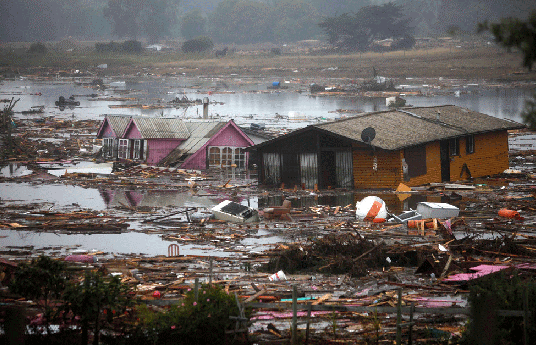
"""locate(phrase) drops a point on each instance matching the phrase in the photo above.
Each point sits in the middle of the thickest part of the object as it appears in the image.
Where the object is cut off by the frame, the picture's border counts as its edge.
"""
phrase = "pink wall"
(132, 131)
(229, 135)
(158, 149)
(106, 131)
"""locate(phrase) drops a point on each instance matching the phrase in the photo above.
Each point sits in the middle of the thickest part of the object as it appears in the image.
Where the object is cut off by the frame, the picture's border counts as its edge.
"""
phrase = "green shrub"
(132, 47)
(504, 291)
(190, 322)
(42, 280)
(37, 48)
(197, 45)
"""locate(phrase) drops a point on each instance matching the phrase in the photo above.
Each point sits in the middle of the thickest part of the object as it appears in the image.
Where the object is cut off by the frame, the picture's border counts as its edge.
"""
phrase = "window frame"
(226, 156)
(454, 147)
(136, 149)
(122, 149)
(470, 144)
(108, 147)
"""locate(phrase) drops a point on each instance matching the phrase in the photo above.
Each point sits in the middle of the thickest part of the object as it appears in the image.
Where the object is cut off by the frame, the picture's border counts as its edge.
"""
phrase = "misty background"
(228, 21)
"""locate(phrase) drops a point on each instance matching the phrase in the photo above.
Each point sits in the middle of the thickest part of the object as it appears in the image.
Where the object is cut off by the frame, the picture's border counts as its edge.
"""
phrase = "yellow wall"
(490, 158)
(433, 166)
(388, 173)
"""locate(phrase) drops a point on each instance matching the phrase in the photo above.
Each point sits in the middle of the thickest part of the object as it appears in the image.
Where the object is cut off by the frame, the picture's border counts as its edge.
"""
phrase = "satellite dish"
(368, 135)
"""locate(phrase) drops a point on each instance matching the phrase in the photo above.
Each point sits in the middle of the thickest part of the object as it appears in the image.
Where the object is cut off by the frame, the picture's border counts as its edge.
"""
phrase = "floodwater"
(248, 102)
(251, 103)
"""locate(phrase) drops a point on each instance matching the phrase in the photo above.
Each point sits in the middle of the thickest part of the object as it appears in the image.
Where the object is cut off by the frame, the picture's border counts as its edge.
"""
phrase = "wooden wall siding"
(158, 149)
(433, 167)
(490, 157)
(388, 173)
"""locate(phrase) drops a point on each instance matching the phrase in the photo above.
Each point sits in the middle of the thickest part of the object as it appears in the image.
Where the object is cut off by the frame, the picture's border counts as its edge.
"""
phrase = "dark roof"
(405, 127)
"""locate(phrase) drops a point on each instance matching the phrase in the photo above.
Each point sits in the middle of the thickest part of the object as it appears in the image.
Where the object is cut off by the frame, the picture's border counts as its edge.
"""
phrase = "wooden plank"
(322, 299)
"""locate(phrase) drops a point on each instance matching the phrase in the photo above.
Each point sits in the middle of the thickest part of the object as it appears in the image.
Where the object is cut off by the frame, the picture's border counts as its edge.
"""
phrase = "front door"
(445, 160)
(291, 170)
(328, 170)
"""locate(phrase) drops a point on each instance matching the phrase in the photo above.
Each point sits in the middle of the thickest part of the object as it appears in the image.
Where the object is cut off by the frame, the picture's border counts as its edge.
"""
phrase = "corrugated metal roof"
(118, 123)
(161, 128)
(400, 128)
(200, 133)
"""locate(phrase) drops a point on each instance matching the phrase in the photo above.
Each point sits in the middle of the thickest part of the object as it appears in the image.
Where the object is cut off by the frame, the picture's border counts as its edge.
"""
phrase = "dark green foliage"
(42, 280)
(504, 291)
(193, 25)
(357, 31)
(197, 45)
(132, 47)
(192, 322)
(529, 113)
(97, 301)
(37, 48)
(406, 42)
(515, 33)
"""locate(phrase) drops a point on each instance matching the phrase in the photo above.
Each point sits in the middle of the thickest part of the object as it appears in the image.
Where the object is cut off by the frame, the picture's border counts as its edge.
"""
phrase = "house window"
(225, 157)
(416, 160)
(123, 149)
(214, 157)
(108, 149)
(454, 147)
(138, 147)
(240, 157)
(470, 144)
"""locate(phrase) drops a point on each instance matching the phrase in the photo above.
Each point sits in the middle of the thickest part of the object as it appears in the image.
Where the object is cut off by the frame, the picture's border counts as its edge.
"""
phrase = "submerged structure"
(382, 149)
(174, 142)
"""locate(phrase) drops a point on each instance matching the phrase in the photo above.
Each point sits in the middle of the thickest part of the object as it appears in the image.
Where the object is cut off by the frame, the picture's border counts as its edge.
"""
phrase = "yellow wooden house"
(414, 145)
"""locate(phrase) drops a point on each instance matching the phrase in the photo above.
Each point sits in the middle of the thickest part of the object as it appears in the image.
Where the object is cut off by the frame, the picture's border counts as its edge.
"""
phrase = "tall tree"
(521, 35)
(125, 17)
(241, 21)
(294, 20)
(357, 31)
(193, 25)
(131, 18)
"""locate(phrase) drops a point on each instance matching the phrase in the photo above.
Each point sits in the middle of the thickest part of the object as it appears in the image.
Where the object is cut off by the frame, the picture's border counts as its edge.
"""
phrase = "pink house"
(211, 145)
(173, 142)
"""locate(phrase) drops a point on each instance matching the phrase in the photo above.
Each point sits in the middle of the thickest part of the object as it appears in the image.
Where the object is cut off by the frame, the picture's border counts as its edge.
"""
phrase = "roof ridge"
(436, 121)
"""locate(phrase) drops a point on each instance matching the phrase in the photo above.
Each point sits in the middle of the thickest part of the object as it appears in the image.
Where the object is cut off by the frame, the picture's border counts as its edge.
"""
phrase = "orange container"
(504, 212)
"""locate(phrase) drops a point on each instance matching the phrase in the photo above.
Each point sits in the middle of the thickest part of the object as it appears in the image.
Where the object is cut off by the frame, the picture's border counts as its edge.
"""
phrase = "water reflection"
(247, 107)
(154, 198)
(14, 170)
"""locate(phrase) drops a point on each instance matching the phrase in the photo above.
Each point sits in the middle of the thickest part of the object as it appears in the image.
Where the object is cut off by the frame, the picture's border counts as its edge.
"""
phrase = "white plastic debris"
(369, 208)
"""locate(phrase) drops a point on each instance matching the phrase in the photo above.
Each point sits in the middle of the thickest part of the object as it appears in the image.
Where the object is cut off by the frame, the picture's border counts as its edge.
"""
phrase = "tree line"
(242, 21)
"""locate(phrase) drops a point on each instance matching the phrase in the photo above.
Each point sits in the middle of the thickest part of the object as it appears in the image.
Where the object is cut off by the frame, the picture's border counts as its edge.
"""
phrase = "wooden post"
(525, 315)
(294, 336)
(196, 289)
(309, 308)
(399, 318)
(211, 263)
(410, 335)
